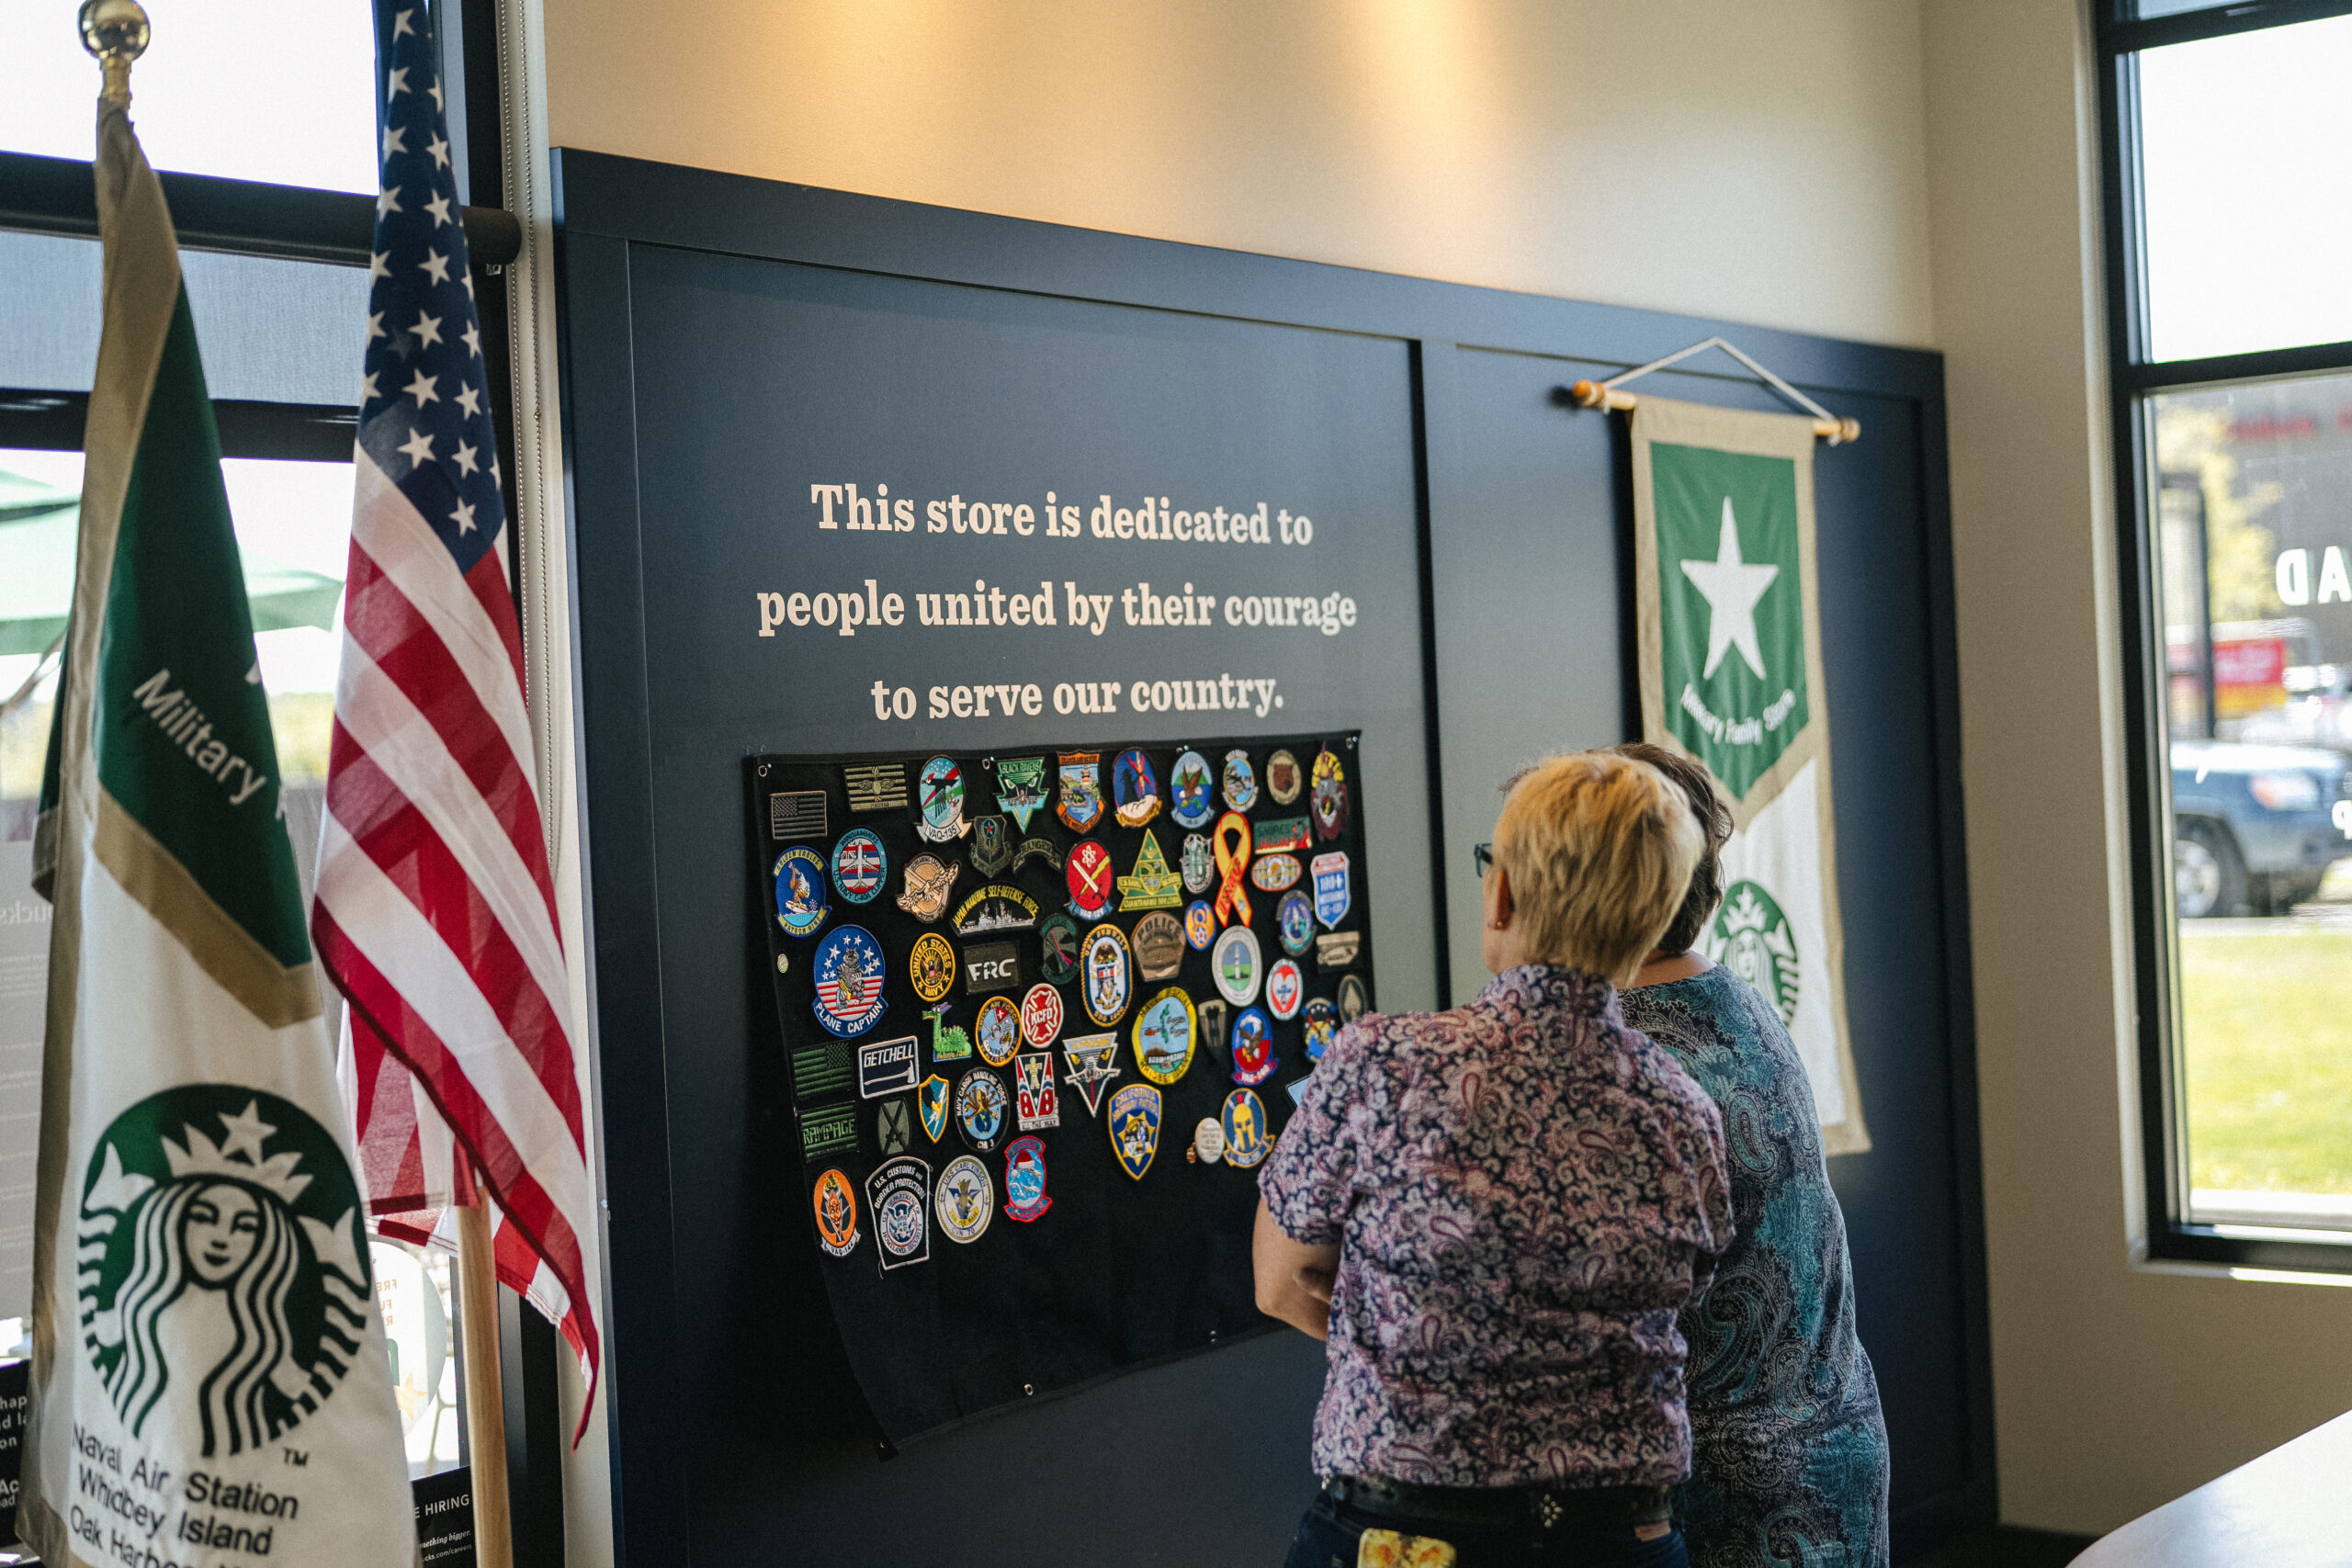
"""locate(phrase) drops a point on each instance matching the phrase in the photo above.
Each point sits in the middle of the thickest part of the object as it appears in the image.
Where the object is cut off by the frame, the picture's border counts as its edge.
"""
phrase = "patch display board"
(1044, 1011)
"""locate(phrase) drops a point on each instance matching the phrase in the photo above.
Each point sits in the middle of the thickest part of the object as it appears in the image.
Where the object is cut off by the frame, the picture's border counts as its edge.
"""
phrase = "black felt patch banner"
(958, 1283)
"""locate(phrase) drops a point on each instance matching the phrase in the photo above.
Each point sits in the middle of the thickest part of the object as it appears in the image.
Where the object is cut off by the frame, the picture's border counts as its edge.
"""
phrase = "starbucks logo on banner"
(1751, 938)
(224, 1274)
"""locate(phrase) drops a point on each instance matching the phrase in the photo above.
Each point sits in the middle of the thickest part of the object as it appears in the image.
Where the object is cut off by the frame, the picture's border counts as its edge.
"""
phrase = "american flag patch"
(796, 814)
(819, 1070)
(882, 788)
(829, 1132)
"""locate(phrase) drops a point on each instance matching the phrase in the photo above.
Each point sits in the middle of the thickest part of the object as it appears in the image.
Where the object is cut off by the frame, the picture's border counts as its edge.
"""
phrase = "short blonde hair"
(1599, 849)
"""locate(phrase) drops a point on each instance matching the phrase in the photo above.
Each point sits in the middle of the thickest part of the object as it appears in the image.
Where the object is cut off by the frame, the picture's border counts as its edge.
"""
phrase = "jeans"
(1329, 1535)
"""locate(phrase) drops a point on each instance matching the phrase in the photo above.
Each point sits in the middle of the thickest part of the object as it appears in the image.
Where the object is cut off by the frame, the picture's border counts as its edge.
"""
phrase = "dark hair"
(1714, 815)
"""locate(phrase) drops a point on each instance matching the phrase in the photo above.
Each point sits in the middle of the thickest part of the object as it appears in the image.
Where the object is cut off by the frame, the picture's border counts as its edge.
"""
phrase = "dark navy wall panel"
(722, 337)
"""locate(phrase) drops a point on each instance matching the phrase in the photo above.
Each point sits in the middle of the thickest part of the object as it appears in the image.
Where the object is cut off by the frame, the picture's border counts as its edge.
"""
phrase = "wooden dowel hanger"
(1605, 394)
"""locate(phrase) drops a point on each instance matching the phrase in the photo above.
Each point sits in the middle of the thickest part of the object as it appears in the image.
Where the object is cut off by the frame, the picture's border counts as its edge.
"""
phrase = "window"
(2230, 212)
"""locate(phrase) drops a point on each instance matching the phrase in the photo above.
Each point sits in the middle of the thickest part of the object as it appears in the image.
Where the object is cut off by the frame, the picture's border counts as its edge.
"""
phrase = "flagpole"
(485, 1389)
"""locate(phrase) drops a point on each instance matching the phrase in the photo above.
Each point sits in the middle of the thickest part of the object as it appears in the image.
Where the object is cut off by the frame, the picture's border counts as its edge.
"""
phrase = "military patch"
(1057, 949)
(835, 1202)
(930, 965)
(1284, 833)
(886, 1067)
(1354, 1000)
(1322, 1027)
(1200, 925)
(1253, 1046)
(1188, 791)
(1240, 782)
(1151, 885)
(1040, 1017)
(800, 891)
(1237, 964)
(1164, 1036)
(1037, 849)
(1213, 1012)
(1208, 1141)
(849, 998)
(927, 883)
(1088, 873)
(899, 1197)
(1134, 1124)
(966, 1199)
(931, 1103)
(1231, 840)
(820, 1071)
(1294, 921)
(1034, 1103)
(1135, 789)
(1020, 788)
(1200, 863)
(832, 1131)
(992, 844)
(1158, 942)
(1286, 989)
(880, 787)
(1330, 802)
(796, 814)
(1272, 874)
(1024, 1180)
(1244, 1125)
(942, 789)
(1282, 778)
(1338, 950)
(1081, 806)
(991, 966)
(1103, 964)
(982, 1108)
(892, 1129)
(1092, 1060)
(997, 1033)
(1331, 888)
(860, 867)
(995, 907)
(948, 1041)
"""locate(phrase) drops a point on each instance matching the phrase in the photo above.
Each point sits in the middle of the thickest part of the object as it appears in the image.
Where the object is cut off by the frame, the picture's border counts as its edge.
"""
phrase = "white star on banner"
(463, 517)
(375, 325)
(469, 401)
(400, 28)
(421, 389)
(367, 388)
(419, 447)
(394, 140)
(440, 151)
(439, 208)
(388, 200)
(397, 84)
(1731, 587)
(428, 329)
(376, 264)
(472, 336)
(436, 266)
(464, 456)
(247, 1132)
(436, 91)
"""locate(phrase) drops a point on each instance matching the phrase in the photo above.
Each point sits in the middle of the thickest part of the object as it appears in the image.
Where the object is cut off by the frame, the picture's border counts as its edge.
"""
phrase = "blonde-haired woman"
(1494, 1214)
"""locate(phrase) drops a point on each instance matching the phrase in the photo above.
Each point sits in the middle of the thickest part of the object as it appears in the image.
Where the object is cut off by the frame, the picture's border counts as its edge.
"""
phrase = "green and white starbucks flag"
(1731, 674)
(208, 1375)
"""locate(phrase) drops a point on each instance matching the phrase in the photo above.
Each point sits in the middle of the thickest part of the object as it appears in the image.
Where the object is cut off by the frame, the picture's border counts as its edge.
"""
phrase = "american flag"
(434, 912)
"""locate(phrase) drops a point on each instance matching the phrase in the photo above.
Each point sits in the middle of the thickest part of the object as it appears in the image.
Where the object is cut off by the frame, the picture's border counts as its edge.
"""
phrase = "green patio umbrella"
(38, 524)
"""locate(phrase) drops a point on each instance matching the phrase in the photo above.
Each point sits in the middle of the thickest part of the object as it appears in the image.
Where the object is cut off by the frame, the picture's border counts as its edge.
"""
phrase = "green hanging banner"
(1731, 674)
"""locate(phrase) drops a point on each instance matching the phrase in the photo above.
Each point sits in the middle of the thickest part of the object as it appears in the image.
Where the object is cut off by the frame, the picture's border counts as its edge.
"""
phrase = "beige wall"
(1761, 162)
(1904, 171)
(2115, 1387)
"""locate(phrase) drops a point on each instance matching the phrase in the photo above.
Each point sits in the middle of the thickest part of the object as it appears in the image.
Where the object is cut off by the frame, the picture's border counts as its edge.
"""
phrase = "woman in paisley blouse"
(1495, 1215)
(1790, 1464)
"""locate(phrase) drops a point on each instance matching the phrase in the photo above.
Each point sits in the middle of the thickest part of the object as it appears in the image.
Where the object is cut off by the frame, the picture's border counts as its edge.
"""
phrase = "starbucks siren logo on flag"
(1731, 674)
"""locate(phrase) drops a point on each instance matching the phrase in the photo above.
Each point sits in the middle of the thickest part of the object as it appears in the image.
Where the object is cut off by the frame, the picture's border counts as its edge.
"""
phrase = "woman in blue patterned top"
(1788, 1461)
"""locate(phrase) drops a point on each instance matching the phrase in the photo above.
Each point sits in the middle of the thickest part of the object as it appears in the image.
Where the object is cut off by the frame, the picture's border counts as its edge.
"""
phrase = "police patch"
(1104, 967)
(1024, 1180)
(799, 891)
(1134, 1124)
(966, 1200)
(859, 866)
(1158, 942)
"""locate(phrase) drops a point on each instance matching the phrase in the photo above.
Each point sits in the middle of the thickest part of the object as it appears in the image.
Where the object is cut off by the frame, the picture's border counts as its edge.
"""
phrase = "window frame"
(2134, 379)
(56, 195)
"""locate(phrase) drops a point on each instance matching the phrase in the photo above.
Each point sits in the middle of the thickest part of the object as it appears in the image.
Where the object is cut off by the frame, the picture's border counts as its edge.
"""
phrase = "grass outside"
(2268, 1050)
(304, 722)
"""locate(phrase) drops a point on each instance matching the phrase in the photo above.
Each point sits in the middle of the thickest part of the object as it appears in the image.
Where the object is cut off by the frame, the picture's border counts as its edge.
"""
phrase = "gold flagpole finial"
(117, 32)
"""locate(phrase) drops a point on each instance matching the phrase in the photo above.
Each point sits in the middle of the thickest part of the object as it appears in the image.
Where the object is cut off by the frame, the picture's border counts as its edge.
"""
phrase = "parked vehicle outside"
(2256, 827)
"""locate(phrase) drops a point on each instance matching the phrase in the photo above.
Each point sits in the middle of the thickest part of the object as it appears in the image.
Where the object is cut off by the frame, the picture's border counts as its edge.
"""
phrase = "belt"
(1548, 1507)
